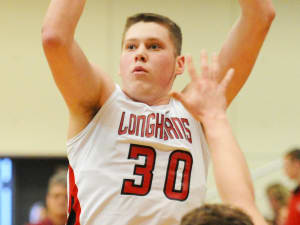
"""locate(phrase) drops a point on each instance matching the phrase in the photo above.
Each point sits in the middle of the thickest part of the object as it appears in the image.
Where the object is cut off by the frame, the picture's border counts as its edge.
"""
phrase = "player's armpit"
(83, 86)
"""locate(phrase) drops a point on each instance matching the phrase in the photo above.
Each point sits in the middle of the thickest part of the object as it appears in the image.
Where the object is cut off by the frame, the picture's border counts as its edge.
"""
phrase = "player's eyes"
(154, 46)
(130, 47)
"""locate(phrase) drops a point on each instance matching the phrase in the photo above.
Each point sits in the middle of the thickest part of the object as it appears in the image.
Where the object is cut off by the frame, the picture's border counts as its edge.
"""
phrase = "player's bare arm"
(205, 98)
(83, 86)
(244, 42)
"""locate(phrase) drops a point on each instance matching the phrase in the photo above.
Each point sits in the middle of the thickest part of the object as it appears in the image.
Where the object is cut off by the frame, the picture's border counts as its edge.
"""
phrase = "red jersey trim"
(74, 209)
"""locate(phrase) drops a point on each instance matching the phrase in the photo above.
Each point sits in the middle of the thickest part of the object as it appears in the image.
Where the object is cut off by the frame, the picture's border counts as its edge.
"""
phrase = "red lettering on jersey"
(122, 130)
(155, 125)
(189, 136)
(146, 171)
(150, 127)
(169, 189)
(169, 128)
(174, 120)
(159, 126)
(139, 118)
(132, 124)
(183, 129)
(165, 135)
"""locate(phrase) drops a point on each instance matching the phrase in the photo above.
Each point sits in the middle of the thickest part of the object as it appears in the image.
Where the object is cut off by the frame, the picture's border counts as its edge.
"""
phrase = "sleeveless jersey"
(135, 164)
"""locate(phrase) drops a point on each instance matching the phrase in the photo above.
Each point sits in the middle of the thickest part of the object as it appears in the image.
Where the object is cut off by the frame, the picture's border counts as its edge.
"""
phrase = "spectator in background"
(282, 216)
(292, 170)
(56, 201)
(216, 214)
(278, 196)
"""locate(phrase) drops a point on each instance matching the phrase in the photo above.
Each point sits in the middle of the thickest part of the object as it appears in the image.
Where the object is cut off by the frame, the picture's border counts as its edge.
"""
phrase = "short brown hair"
(279, 192)
(216, 214)
(294, 154)
(173, 28)
(57, 178)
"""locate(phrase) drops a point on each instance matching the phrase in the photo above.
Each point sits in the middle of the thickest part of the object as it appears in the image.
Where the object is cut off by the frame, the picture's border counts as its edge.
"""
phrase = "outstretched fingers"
(191, 68)
(228, 77)
(204, 64)
(214, 69)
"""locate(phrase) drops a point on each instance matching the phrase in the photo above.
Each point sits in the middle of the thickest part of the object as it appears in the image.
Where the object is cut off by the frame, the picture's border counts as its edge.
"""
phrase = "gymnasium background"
(33, 118)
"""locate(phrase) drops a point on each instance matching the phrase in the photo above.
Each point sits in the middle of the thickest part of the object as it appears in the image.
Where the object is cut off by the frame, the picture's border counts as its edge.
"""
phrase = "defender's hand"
(204, 97)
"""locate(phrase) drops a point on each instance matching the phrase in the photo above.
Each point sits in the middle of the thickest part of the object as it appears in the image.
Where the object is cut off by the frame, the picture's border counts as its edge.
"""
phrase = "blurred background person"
(216, 214)
(278, 196)
(282, 216)
(56, 201)
(292, 170)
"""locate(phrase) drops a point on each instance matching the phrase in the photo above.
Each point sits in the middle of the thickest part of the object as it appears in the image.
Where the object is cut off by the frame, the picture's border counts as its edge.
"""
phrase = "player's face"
(57, 200)
(148, 63)
(292, 168)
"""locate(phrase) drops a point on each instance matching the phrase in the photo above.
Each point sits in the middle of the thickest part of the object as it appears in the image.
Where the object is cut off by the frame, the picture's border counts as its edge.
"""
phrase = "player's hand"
(204, 97)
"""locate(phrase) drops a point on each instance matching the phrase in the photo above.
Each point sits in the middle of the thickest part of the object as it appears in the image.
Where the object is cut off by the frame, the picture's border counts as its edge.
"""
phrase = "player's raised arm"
(83, 86)
(244, 41)
(205, 98)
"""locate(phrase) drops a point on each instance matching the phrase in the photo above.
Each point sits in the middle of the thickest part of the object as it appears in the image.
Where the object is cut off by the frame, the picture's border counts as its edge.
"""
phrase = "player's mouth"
(139, 70)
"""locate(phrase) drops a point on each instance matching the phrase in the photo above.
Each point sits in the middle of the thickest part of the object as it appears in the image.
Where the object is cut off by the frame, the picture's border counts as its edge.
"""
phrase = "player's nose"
(141, 55)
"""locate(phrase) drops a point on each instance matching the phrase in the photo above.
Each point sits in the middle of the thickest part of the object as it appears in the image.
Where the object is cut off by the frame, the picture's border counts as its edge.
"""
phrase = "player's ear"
(180, 60)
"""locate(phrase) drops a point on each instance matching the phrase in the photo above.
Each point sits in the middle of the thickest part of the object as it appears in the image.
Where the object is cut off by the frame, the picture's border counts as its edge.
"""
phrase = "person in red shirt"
(56, 201)
(292, 170)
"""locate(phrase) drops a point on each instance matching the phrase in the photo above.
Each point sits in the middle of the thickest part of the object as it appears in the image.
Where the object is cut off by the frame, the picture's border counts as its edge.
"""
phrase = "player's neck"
(162, 101)
(151, 101)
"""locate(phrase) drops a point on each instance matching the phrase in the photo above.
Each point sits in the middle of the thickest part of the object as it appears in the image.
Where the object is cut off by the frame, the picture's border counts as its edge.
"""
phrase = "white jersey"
(136, 164)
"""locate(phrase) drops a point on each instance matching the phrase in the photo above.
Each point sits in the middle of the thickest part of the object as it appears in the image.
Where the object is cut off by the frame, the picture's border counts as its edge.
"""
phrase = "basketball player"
(137, 156)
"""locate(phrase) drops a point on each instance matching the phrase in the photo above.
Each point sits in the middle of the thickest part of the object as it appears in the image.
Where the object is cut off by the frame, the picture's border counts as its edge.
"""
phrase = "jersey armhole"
(104, 107)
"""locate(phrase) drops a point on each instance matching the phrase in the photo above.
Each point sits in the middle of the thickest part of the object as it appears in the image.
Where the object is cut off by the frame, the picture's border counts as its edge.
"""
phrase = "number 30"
(146, 172)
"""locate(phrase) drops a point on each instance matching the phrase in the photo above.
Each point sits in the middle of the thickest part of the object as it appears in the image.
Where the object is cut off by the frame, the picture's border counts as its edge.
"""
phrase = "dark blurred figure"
(278, 196)
(292, 170)
(56, 201)
(216, 214)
